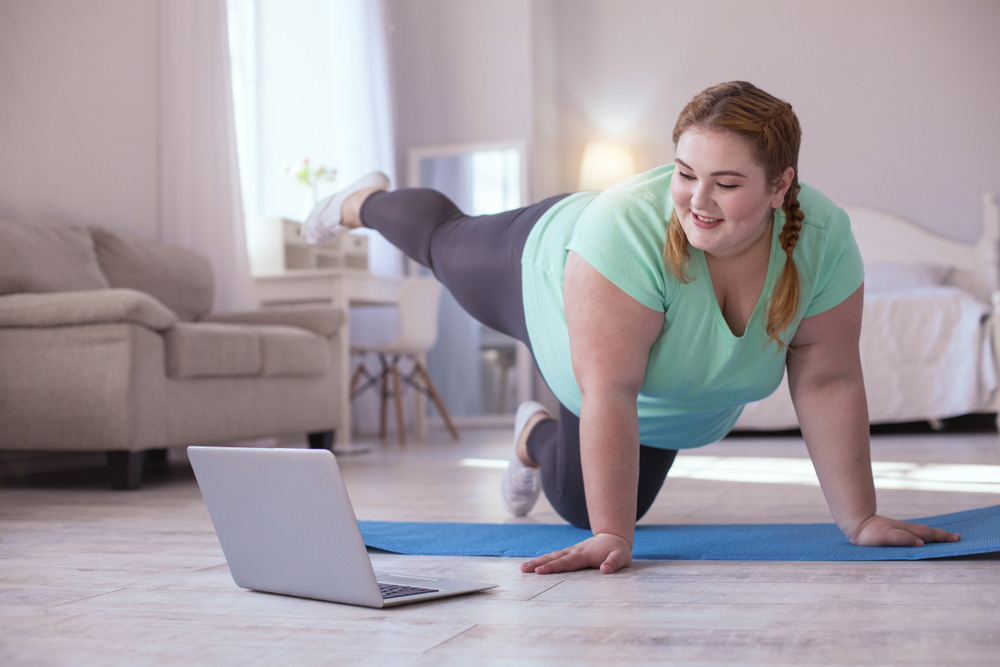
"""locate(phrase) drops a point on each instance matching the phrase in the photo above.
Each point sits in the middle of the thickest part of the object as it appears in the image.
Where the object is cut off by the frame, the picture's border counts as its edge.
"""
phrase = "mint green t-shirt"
(699, 374)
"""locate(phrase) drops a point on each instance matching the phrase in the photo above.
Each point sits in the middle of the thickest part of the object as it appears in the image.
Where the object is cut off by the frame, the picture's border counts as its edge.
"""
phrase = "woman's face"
(722, 197)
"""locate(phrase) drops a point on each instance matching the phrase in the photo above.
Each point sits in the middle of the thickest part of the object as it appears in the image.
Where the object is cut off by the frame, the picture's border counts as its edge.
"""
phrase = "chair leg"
(397, 390)
(438, 403)
(384, 400)
(126, 469)
(503, 390)
(321, 440)
(357, 378)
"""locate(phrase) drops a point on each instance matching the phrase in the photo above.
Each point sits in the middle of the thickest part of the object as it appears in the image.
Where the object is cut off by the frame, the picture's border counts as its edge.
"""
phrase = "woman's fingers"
(928, 534)
(575, 560)
(606, 551)
(897, 537)
(615, 561)
(542, 560)
(880, 531)
(557, 561)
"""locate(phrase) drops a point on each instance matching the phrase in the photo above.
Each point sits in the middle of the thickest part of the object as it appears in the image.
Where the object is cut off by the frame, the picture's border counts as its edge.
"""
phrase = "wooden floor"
(90, 576)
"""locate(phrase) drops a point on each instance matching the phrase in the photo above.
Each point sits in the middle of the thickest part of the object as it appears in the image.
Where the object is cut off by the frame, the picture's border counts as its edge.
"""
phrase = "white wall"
(898, 99)
(78, 113)
(462, 72)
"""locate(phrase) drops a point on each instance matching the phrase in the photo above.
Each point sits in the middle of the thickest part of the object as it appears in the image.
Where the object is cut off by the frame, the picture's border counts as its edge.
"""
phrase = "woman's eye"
(728, 186)
(686, 177)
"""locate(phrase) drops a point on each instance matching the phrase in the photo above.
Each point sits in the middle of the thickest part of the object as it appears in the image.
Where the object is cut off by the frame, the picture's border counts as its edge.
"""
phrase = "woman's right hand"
(605, 550)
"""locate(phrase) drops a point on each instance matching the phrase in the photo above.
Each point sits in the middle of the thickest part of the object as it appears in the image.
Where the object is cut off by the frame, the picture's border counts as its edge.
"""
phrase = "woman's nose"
(700, 198)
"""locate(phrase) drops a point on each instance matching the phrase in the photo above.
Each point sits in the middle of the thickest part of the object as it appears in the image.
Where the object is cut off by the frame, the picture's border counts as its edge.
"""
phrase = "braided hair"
(772, 132)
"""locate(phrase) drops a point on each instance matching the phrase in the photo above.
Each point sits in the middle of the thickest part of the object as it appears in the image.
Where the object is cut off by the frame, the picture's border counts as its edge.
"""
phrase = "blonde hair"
(771, 131)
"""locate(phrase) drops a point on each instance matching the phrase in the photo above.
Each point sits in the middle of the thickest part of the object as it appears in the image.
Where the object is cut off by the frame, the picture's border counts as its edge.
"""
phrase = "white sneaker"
(521, 484)
(323, 223)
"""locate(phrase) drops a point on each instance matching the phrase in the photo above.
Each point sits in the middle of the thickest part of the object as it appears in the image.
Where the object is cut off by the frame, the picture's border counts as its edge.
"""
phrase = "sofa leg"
(156, 457)
(126, 469)
(321, 440)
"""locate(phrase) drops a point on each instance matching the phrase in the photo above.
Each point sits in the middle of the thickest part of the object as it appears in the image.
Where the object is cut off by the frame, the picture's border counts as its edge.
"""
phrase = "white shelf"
(275, 246)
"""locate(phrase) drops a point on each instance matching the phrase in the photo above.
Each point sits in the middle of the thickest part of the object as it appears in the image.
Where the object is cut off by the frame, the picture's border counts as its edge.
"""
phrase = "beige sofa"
(107, 343)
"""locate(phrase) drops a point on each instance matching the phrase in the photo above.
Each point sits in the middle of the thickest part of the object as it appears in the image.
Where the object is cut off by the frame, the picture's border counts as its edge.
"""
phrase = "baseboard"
(475, 421)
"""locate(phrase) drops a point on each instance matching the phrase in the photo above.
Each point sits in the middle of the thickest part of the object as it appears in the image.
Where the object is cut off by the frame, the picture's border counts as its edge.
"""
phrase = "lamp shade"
(605, 163)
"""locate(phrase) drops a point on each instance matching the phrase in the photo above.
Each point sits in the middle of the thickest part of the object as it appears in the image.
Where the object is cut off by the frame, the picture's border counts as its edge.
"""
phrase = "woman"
(657, 309)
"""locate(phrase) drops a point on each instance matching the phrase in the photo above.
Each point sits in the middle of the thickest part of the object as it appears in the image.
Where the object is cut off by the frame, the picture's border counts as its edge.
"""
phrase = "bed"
(931, 324)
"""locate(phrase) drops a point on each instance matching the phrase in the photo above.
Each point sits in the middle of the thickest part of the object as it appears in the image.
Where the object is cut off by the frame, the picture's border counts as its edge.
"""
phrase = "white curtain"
(363, 124)
(362, 115)
(200, 201)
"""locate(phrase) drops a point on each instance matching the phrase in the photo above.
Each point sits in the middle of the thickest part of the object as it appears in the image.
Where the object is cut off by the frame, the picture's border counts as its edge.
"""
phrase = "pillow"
(178, 278)
(888, 278)
(47, 258)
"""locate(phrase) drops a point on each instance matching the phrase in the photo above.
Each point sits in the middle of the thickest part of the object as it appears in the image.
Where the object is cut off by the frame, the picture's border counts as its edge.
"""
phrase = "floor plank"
(97, 577)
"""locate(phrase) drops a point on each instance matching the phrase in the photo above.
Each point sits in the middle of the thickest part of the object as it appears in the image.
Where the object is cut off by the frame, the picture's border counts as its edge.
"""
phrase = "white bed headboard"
(886, 238)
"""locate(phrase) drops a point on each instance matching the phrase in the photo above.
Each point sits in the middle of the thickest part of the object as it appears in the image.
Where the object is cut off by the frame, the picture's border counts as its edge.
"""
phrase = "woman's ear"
(784, 182)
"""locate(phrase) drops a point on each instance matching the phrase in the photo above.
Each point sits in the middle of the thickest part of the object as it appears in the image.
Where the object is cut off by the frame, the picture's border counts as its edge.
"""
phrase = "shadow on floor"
(985, 422)
(86, 471)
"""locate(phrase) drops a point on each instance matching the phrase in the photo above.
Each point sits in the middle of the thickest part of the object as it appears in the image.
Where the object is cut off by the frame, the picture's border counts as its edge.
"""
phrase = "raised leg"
(321, 440)
(125, 469)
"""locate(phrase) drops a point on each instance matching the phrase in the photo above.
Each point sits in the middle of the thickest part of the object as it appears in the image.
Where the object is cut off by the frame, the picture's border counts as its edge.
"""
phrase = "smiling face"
(722, 197)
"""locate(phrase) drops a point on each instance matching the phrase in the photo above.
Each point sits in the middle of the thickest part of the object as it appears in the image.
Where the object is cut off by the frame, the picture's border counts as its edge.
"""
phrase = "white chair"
(418, 317)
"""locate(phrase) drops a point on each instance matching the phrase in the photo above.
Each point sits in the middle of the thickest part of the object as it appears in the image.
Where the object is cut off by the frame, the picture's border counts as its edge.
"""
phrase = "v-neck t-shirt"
(699, 375)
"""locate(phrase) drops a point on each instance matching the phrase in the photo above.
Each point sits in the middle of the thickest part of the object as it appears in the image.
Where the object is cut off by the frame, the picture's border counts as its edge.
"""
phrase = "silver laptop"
(286, 526)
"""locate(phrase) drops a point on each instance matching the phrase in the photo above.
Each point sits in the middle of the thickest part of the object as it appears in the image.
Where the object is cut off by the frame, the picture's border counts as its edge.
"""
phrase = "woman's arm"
(828, 390)
(610, 336)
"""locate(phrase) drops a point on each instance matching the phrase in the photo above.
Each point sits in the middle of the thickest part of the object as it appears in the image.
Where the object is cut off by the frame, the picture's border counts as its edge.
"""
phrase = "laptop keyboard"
(390, 591)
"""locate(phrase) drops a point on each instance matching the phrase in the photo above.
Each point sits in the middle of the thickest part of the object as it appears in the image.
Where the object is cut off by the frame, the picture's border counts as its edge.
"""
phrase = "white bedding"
(925, 352)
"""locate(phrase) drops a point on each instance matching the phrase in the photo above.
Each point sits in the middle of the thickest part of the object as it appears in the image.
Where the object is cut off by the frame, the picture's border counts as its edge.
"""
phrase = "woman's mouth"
(705, 222)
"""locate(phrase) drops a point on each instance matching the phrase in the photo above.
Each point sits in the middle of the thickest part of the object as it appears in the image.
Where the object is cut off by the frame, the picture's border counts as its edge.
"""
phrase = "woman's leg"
(556, 448)
(478, 258)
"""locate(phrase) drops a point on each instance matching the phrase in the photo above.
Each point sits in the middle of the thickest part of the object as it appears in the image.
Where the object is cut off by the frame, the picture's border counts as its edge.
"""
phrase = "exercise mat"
(980, 530)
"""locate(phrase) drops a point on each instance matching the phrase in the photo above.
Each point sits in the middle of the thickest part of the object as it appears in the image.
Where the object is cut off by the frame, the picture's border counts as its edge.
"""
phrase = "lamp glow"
(604, 164)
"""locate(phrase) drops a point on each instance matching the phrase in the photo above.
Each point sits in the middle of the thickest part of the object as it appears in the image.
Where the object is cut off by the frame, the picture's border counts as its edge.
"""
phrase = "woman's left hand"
(604, 550)
(880, 531)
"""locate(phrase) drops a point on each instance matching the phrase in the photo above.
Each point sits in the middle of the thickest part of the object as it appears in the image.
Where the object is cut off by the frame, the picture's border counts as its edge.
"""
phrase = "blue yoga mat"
(980, 530)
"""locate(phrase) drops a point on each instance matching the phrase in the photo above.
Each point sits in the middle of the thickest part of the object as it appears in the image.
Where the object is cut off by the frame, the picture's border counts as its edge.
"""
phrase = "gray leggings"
(478, 259)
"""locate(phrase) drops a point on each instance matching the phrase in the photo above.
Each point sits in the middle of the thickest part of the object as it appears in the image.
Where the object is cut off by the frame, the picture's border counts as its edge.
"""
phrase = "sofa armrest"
(52, 309)
(323, 320)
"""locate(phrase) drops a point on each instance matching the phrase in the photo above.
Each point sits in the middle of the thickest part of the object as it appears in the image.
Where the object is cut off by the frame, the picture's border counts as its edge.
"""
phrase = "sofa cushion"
(180, 279)
(47, 258)
(292, 351)
(212, 350)
(322, 320)
(205, 349)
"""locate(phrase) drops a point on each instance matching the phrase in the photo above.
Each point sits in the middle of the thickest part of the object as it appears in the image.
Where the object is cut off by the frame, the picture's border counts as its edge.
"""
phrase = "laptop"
(286, 526)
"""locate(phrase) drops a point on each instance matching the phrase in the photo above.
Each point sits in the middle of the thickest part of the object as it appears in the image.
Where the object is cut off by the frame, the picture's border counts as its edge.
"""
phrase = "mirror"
(478, 371)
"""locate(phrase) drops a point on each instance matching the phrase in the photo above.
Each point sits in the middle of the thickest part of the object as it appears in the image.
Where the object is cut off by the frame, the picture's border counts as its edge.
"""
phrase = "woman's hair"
(772, 133)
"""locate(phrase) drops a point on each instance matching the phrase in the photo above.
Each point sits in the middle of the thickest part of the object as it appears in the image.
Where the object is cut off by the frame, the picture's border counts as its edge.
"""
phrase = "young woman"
(657, 309)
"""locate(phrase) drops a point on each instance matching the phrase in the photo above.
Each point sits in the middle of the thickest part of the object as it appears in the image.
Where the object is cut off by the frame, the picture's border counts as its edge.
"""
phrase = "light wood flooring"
(90, 576)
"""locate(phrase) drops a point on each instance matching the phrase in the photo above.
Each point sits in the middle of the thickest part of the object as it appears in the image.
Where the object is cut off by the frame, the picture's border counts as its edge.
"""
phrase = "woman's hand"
(604, 550)
(879, 531)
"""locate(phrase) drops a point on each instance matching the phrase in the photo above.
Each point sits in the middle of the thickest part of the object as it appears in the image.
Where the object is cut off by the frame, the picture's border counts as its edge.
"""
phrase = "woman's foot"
(522, 483)
(332, 216)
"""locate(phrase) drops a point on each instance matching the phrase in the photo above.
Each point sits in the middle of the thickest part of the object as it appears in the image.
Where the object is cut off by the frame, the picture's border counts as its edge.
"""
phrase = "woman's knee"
(409, 218)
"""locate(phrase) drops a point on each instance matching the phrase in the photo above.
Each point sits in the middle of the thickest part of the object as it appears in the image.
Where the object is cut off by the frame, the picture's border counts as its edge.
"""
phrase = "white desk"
(342, 287)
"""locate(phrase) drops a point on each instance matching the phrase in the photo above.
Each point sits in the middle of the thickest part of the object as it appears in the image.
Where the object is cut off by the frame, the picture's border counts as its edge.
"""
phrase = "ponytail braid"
(773, 134)
(784, 302)
(675, 252)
